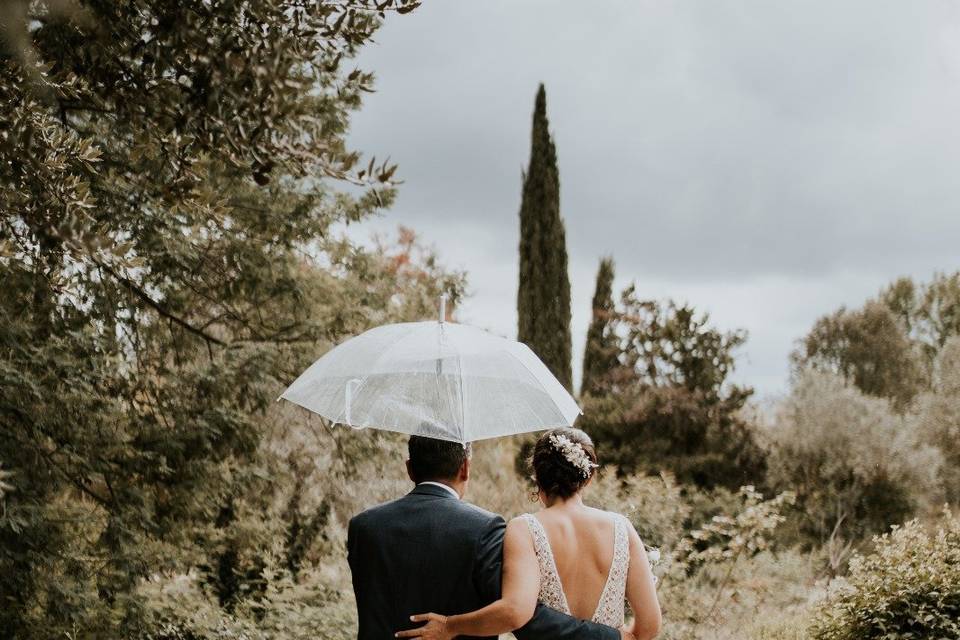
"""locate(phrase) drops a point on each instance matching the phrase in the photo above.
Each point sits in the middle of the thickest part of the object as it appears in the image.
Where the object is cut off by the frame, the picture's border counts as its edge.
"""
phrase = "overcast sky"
(764, 160)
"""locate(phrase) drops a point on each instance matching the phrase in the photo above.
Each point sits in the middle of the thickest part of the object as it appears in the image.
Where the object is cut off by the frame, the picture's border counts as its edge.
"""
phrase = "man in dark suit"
(430, 551)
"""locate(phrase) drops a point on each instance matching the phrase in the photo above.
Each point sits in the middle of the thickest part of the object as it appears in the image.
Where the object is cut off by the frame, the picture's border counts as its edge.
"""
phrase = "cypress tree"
(600, 354)
(543, 297)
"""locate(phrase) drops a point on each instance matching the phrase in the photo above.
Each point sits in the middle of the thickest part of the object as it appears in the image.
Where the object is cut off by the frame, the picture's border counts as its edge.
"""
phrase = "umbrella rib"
(463, 411)
(423, 412)
(534, 376)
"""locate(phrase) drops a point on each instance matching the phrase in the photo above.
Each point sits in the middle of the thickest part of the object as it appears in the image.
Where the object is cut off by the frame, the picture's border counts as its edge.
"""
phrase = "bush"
(728, 537)
(909, 587)
(699, 438)
(855, 464)
(938, 416)
(767, 598)
(667, 402)
(724, 581)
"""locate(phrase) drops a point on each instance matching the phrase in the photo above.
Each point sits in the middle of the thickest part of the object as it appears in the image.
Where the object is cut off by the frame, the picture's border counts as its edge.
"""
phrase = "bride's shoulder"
(609, 515)
(522, 520)
(521, 531)
(526, 526)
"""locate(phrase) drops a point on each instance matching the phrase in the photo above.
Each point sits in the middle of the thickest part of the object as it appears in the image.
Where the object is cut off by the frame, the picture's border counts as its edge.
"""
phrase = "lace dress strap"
(551, 590)
(610, 608)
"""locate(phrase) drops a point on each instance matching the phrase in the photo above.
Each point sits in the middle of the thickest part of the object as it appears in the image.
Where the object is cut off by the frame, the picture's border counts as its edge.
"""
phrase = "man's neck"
(454, 489)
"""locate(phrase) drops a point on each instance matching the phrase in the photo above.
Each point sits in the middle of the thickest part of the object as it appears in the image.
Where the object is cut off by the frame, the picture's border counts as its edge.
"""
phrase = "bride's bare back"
(582, 541)
(588, 562)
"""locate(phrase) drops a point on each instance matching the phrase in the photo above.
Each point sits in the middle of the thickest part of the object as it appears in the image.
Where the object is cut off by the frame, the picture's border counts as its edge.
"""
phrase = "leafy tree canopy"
(889, 347)
(168, 206)
(668, 404)
(866, 346)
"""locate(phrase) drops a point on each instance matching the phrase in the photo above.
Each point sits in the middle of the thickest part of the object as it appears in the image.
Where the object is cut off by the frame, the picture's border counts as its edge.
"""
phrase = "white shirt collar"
(440, 484)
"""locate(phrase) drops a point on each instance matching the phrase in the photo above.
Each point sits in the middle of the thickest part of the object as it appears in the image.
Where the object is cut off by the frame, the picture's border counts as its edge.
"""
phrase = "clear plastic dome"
(442, 380)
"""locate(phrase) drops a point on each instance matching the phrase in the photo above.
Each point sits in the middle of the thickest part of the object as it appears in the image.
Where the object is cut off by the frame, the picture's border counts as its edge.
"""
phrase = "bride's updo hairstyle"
(563, 462)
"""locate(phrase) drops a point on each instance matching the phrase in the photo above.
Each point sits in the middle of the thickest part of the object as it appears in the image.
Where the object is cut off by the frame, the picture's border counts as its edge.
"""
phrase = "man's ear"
(410, 473)
(464, 473)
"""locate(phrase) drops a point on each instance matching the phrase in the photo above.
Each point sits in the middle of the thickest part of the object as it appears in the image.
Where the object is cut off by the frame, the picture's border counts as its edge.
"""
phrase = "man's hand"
(626, 634)
(435, 629)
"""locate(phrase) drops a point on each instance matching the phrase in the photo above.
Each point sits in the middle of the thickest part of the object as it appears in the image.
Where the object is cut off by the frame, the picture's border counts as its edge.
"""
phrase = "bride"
(571, 557)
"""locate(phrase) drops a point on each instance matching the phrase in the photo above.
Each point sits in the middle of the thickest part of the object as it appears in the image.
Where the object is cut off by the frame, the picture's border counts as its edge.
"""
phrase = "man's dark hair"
(432, 459)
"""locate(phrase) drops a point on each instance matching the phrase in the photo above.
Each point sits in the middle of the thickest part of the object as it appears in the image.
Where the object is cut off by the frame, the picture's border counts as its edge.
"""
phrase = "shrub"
(909, 587)
(938, 416)
(767, 599)
(723, 580)
(667, 402)
(728, 537)
(855, 464)
(698, 437)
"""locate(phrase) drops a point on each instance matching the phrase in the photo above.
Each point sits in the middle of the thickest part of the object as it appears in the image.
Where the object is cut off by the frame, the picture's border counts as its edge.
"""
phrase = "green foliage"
(137, 114)
(929, 312)
(718, 575)
(183, 609)
(543, 295)
(869, 347)
(765, 598)
(602, 348)
(938, 416)
(728, 537)
(4, 486)
(315, 478)
(888, 348)
(856, 465)
(909, 587)
(168, 196)
(877, 463)
(668, 404)
(671, 345)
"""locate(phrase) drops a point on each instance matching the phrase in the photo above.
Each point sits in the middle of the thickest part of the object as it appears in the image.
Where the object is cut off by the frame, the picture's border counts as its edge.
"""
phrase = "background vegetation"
(173, 186)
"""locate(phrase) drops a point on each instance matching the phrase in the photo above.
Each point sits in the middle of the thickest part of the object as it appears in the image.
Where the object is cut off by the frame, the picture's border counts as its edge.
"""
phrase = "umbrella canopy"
(437, 379)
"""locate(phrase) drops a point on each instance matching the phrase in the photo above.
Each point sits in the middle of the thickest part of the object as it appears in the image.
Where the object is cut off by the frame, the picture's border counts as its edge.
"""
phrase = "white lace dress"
(610, 608)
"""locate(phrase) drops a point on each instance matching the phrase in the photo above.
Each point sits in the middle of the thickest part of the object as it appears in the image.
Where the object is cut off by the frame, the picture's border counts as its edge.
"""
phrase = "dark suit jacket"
(429, 552)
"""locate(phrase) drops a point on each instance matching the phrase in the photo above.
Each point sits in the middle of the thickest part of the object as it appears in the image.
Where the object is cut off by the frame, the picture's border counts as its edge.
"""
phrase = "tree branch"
(156, 306)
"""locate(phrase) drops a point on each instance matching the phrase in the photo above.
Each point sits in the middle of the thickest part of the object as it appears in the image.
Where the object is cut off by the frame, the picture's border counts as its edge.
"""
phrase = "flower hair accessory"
(574, 453)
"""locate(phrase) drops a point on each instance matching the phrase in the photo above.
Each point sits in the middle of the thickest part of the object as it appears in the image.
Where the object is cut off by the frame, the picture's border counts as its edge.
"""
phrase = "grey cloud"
(706, 144)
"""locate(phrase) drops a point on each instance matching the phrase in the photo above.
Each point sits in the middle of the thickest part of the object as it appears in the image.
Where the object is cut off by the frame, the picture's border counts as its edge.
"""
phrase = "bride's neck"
(576, 500)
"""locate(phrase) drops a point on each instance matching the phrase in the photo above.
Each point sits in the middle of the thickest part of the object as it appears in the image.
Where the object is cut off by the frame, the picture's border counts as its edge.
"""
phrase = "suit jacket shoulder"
(466, 516)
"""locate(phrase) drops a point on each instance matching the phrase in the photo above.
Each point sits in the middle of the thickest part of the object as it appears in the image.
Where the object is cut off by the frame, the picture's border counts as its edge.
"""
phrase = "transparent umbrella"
(438, 379)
